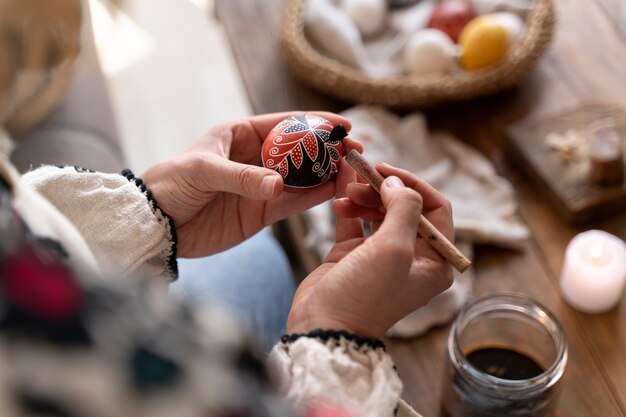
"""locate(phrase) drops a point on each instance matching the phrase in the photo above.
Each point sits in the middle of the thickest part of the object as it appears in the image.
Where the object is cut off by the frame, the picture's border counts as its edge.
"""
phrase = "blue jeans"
(253, 279)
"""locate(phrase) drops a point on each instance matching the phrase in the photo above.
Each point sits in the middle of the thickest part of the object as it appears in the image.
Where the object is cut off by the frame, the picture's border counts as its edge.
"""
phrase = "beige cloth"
(484, 206)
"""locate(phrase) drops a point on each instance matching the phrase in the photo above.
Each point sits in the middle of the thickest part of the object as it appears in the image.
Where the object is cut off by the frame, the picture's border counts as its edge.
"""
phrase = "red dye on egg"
(451, 16)
(305, 150)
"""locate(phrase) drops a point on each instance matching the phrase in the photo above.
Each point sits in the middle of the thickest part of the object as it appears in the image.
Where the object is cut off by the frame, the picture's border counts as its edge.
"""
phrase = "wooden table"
(586, 62)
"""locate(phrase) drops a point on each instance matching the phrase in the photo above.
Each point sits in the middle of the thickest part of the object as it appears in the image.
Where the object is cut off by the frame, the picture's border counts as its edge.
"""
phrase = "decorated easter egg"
(429, 51)
(484, 42)
(305, 150)
(451, 16)
(370, 16)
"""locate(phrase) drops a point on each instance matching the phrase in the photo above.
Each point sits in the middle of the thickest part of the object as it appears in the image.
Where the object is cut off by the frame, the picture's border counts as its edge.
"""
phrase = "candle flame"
(596, 251)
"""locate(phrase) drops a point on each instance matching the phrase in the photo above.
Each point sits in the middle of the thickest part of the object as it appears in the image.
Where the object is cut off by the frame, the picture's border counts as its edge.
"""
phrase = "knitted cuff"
(336, 337)
(338, 368)
(163, 218)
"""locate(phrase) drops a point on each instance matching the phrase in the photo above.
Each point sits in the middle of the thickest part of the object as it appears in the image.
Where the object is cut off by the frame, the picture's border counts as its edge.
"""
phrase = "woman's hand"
(217, 193)
(366, 285)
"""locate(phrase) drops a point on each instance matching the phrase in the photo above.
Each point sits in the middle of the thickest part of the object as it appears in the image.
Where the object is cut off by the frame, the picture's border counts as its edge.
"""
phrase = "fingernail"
(268, 185)
(394, 182)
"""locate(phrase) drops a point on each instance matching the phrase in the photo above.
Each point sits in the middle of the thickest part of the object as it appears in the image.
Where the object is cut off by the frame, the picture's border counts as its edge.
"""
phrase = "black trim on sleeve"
(172, 264)
(326, 335)
(77, 168)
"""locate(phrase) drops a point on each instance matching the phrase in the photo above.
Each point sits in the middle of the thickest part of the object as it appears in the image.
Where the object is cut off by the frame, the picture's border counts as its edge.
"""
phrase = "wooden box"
(565, 183)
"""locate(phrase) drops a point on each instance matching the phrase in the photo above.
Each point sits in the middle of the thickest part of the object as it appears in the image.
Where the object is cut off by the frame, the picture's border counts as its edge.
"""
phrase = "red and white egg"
(303, 151)
(451, 16)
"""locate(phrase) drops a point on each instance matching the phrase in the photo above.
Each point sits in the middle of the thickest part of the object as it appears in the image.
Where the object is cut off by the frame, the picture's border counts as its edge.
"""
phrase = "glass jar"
(506, 355)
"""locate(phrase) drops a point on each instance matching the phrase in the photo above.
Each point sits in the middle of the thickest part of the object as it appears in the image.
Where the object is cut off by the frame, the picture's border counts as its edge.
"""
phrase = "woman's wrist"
(303, 324)
(171, 253)
(333, 337)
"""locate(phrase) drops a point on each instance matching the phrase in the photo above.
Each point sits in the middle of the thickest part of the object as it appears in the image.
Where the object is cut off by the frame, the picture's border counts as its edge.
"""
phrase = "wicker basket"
(347, 83)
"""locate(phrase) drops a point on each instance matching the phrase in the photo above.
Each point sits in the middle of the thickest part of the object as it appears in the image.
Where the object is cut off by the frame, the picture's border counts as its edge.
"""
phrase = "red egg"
(305, 150)
(451, 16)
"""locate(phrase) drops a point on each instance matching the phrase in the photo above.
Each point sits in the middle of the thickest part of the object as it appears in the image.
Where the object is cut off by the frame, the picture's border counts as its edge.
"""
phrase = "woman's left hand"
(366, 285)
(218, 195)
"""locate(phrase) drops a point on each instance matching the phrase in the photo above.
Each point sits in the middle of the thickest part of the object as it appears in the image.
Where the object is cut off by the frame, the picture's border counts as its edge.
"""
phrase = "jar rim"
(520, 303)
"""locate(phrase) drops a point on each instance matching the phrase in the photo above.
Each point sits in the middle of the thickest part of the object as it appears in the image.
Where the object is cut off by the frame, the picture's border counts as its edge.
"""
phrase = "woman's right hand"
(366, 285)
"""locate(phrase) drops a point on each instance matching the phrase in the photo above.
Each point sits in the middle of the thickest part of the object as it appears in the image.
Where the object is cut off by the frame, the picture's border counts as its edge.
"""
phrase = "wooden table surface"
(586, 62)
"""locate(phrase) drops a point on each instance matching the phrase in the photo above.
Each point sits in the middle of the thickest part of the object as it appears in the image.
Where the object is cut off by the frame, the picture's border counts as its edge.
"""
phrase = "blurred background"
(169, 82)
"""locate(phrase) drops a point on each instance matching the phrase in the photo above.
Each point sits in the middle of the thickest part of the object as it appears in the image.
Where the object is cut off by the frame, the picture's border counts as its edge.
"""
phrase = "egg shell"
(512, 23)
(484, 42)
(451, 16)
(429, 51)
(301, 150)
(370, 16)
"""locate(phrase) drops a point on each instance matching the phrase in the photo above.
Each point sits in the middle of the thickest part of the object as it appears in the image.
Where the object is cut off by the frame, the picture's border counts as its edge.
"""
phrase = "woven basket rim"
(345, 82)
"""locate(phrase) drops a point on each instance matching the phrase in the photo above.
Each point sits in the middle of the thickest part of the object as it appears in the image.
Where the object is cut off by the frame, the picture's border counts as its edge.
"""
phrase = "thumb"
(403, 207)
(246, 180)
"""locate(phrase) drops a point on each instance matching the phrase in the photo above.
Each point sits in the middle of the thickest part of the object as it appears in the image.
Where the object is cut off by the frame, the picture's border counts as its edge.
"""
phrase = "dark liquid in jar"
(460, 398)
(504, 363)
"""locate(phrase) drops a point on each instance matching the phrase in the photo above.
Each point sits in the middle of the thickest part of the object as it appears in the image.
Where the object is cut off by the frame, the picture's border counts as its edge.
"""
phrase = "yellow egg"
(484, 42)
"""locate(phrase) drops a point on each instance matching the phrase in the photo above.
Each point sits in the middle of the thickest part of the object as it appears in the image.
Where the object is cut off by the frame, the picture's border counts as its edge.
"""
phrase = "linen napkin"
(484, 206)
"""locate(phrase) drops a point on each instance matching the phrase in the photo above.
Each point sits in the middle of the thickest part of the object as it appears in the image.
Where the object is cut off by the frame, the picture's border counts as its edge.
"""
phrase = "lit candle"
(594, 271)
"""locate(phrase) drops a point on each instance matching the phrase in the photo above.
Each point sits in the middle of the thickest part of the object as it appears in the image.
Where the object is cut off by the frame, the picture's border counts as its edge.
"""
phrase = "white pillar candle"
(594, 271)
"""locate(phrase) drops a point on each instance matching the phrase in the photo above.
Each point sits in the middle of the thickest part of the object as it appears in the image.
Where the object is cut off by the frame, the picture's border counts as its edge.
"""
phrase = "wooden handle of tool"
(426, 229)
